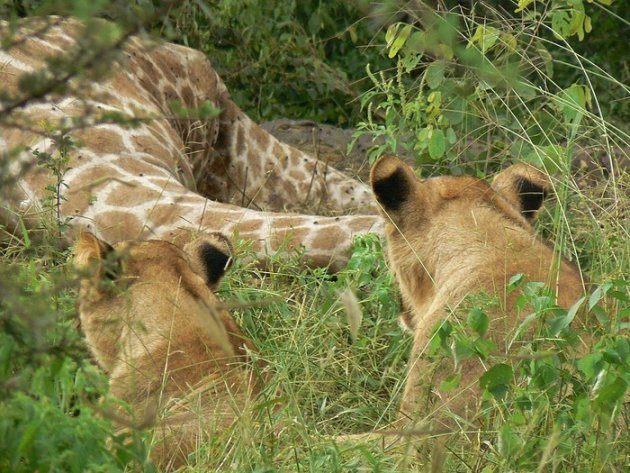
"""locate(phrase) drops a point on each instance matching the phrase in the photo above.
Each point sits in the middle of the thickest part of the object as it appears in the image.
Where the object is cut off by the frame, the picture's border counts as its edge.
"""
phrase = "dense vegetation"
(462, 87)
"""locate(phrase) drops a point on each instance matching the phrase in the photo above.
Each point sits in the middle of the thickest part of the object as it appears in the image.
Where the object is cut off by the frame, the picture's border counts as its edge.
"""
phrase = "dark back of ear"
(391, 181)
(531, 196)
(524, 187)
(211, 256)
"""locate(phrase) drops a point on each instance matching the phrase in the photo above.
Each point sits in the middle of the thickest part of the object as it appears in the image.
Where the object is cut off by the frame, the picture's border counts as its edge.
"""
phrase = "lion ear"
(392, 182)
(211, 256)
(92, 252)
(523, 186)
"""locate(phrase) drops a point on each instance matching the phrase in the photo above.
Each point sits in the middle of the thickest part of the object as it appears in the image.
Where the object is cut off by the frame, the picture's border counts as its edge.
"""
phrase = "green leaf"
(314, 23)
(478, 321)
(435, 74)
(509, 441)
(463, 349)
(399, 41)
(560, 323)
(515, 281)
(522, 4)
(441, 333)
(613, 392)
(451, 137)
(451, 382)
(484, 346)
(485, 37)
(561, 24)
(598, 293)
(497, 379)
(437, 144)
(573, 102)
(416, 43)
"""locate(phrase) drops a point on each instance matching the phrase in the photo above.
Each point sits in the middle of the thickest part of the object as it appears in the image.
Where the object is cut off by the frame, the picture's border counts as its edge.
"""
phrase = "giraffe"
(172, 173)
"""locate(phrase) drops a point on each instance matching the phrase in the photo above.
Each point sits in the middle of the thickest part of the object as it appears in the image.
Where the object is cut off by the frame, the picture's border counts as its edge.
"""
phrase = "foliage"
(547, 403)
(49, 389)
(462, 79)
(296, 59)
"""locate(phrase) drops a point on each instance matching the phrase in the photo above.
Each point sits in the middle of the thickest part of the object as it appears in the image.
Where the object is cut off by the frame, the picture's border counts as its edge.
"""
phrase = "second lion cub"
(156, 328)
(449, 237)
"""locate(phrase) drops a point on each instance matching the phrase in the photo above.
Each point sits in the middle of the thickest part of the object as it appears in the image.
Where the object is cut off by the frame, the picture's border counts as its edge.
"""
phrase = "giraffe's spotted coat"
(145, 181)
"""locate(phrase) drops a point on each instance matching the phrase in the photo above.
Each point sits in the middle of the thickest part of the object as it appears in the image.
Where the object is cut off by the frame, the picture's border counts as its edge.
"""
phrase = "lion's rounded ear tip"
(217, 239)
(384, 166)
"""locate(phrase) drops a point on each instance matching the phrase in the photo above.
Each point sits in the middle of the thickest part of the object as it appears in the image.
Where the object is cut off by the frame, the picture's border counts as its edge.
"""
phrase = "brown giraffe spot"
(24, 138)
(127, 196)
(327, 238)
(31, 52)
(151, 74)
(188, 96)
(152, 147)
(170, 93)
(203, 77)
(85, 186)
(94, 178)
(103, 140)
(254, 163)
(125, 88)
(177, 68)
(259, 135)
(164, 214)
(291, 238)
(250, 228)
(294, 157)
(277, 149)
(288, 221)
(191, 199)
(358, 224)
(166, 136)
(38, 178)
(163, 62)
(136, 166)
(169, 185)
(76, 203)
(118, 225)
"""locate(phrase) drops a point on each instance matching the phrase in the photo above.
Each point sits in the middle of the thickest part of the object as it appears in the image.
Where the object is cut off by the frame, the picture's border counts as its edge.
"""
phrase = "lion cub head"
(155, 326)
(452, 236)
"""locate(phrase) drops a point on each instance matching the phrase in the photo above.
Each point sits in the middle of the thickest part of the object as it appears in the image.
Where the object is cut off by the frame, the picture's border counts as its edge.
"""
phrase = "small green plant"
(49, 391)
(57, 164)
(548, 402)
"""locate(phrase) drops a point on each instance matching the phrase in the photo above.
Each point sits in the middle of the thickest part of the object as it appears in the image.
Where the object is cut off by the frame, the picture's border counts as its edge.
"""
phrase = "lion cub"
(449, 237)
(154, 325)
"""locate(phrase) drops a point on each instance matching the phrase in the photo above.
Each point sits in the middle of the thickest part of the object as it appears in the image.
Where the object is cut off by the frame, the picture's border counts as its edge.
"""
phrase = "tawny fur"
(449, 237)
(154, 325)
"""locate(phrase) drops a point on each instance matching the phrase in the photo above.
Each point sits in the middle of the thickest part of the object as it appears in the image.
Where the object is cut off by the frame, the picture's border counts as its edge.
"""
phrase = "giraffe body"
(169, 175)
